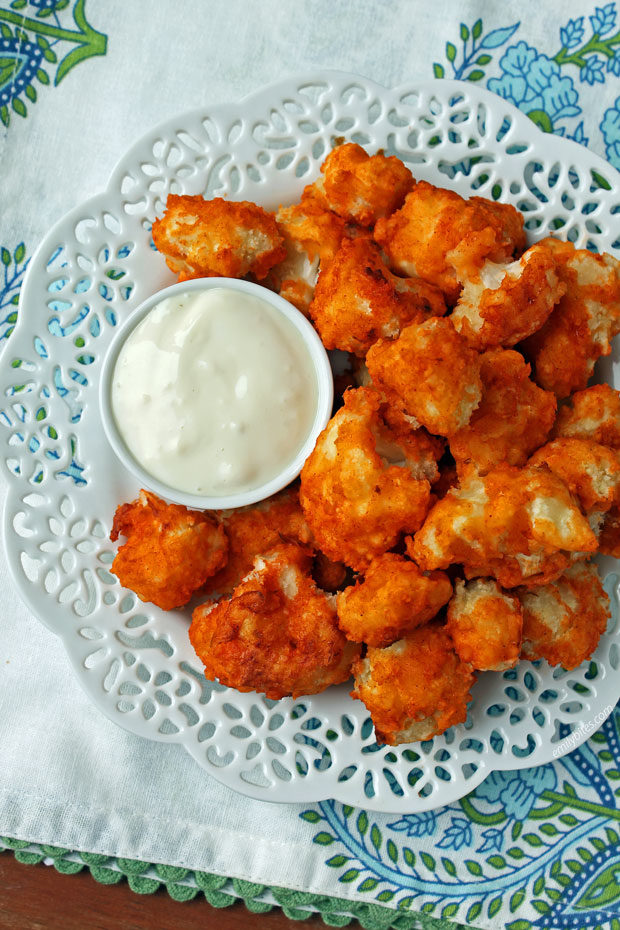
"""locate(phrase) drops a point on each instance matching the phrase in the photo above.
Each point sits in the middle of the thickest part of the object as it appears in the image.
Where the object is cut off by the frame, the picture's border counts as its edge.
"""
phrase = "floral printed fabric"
(555, 85)
(79, 82)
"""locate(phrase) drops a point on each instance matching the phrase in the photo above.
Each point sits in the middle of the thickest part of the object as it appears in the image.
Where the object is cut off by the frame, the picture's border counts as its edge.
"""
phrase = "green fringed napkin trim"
(220, 891)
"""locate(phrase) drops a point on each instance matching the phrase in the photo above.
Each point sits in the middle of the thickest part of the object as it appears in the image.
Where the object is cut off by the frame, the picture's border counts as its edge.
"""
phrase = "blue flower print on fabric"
(517, 792)
(533, 82)
(572, 33)
(610, 128)
(604, 19)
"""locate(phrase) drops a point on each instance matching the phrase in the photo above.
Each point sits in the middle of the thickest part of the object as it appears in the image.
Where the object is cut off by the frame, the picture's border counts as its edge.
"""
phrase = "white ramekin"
(325, 396)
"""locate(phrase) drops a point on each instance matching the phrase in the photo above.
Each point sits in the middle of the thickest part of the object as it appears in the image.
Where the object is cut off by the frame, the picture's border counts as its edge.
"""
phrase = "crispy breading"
(439, 236)
(211, 238)
(170, 550)
(591, 414)
(513, 419)
(276, 634)
(416, 688)
(393, 598)
(430, 373)
(518, 525)
(485, 624)
(357, 503)
(508, 302)
(361, 187)
(580, 329)
(252, 531)
(563, 621)
(590, 471)
(358, 300)
(312, 235)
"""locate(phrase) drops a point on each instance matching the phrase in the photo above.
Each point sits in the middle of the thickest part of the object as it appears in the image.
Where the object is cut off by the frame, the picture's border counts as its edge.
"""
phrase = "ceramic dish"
(93, 269)
(290, 471)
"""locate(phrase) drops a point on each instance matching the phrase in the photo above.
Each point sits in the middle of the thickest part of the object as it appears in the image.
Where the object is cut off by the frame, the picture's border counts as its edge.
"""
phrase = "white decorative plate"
(134, 660)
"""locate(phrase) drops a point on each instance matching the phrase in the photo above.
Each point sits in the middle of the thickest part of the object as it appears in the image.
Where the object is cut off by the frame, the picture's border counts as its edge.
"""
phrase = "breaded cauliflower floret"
(590, 471)
(513, 418)
(506, 303)
(583, 323)
(360, 187)
(439, 236)
(518, 525)
(252, 531)
(357, 503)
(416, 688)
(591, 414)
(277, 634)
(358, 300)
(393, 598)
(211, 238)
(563, 621)
(312, 235)
(485, 624)
(430, 373)
(170, 550)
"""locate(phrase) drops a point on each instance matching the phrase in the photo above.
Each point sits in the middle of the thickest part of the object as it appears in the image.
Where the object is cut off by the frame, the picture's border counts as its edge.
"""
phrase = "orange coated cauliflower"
(430, 373)
(393, 598)
(518, 525)
(312, 236)
(416, 688)
(252, 531)
(170, 551)
(590, 471)
(513, 418)
(361, 187)
(582, 325)
(485, 624)
(506, 303)
(563, 621)
(357, 503)
(358, 300)
(277, 633)
(211, 238)
(591, 414)
(439, 236)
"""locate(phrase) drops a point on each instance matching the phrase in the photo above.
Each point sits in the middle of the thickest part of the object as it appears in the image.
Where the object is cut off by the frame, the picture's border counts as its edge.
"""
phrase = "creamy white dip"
(214, 392)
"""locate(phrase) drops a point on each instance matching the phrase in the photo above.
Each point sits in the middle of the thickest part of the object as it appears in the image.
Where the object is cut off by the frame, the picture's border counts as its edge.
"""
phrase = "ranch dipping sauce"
(214, 392)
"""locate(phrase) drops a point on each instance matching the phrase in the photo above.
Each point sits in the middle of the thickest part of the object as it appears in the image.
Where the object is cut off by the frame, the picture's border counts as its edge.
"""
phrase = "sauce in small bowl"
(214, 392)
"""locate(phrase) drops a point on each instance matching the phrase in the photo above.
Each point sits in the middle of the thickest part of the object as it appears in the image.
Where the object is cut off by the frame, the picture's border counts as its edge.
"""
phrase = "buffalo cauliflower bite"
(485, 624)
(590, 471)
(211, 238)
(170, 551)
(430, 373)
(439, 236)
(518, 525)
(580, 329)
(393, 598)
(276, 634)
(416, 688)
(506, 303)
(513, 418)
(357, 503)
(252, 531)
(563, 621)
(591, 414)
(358, 300)
(312, 236)
(361, 187)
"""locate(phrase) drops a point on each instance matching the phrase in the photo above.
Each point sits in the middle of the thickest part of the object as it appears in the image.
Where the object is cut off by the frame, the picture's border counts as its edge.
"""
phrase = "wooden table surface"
(37, 897)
